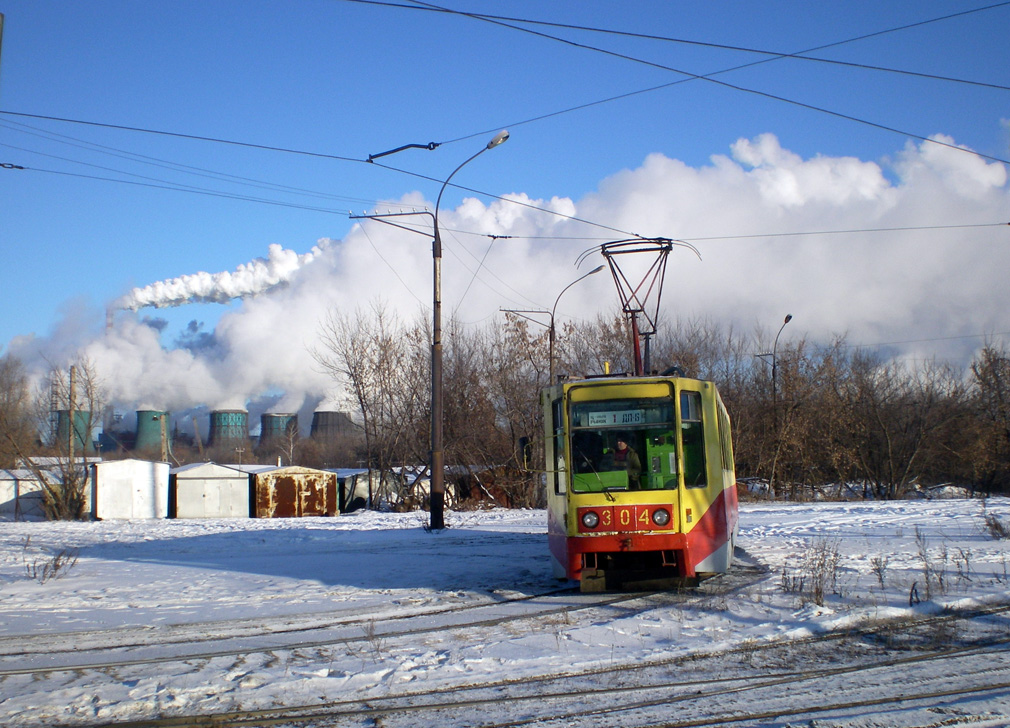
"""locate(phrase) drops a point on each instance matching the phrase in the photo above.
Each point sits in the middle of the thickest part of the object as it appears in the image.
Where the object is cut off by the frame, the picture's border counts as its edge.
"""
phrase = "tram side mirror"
(525, 452)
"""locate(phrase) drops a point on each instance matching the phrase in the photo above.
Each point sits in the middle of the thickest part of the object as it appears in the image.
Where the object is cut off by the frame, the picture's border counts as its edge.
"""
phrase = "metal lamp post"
(550, 326)
(597, 269)
(437, 494)
(775, 404)
(775, 366)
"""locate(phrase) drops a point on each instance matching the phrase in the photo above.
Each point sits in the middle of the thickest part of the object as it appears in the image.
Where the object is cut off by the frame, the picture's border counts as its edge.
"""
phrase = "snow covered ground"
(247, 614)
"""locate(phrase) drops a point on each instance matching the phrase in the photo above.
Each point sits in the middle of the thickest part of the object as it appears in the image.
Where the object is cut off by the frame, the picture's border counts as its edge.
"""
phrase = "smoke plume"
(249, 279)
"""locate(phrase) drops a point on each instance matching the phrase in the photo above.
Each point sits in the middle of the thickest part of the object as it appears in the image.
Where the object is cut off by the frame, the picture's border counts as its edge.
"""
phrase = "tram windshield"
(626, 444)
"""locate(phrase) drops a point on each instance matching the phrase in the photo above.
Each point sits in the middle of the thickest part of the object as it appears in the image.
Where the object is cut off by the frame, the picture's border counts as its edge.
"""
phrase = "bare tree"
(893, 413)
(990, 448)
(591, 347)
(377, 360)
(61, 465)
(17, 434)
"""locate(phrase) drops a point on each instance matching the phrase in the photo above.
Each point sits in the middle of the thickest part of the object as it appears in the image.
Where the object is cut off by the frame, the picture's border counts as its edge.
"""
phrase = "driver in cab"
(625, 457)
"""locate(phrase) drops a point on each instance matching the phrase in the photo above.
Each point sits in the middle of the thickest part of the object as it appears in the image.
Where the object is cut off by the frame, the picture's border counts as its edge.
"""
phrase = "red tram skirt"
(579, 546)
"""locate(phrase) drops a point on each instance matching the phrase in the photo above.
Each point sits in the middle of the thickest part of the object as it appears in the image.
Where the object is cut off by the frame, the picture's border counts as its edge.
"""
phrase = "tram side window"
(725, 443)
(559, 447)
(692, 434)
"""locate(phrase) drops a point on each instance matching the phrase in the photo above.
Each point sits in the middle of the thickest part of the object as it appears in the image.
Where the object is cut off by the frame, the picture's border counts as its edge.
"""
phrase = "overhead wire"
(391, 268)
(432, 7)
(710, 78)
(924, 341)
(191, 190)
(419, 5)
(399, 170)
(776, 55)
(425, 231)
(168, 164)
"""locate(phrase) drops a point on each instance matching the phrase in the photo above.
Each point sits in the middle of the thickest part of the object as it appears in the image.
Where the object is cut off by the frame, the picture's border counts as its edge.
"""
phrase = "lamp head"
(597, 269)
(789, 317)
(499, 138)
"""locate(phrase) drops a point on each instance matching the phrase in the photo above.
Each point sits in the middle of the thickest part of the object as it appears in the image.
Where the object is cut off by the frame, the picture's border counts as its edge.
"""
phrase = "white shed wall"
(129, 489)
(212, 496)
(20, 495)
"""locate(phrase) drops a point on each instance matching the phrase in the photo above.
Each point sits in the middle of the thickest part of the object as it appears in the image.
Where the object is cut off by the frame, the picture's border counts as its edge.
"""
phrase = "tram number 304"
(627, 518)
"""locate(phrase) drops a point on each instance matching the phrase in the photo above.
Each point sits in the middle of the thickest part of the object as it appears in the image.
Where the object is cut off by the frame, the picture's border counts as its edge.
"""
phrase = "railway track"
(190, 644)
(122, 648)
(713, 689)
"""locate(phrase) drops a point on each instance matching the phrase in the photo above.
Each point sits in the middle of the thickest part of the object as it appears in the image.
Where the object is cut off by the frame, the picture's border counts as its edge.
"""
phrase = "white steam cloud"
(249, 279)
(939, 279)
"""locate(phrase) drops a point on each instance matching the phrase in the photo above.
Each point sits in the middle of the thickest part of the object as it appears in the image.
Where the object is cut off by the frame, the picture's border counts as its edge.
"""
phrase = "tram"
(641, 488)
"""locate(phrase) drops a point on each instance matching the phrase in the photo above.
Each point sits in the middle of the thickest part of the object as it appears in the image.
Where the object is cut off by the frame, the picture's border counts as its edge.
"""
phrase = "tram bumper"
(606, 561)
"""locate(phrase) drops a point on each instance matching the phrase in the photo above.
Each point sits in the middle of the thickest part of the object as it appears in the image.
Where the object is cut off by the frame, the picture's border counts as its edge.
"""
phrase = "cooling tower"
(83, 442)
(228, 427)
(149, 430)
(277, 428)
(327, 425)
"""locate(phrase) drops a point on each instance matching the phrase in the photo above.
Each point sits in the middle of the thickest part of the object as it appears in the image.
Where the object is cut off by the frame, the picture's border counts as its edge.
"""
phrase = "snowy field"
(170, 618)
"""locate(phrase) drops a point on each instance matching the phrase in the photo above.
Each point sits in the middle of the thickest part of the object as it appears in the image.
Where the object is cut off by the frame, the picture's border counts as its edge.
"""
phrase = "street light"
(550, 326)
(775, 405)
(775, 365)
(437, 490)
(597, 269)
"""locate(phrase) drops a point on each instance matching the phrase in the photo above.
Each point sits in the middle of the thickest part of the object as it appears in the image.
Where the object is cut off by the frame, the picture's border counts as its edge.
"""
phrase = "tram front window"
(623, 445)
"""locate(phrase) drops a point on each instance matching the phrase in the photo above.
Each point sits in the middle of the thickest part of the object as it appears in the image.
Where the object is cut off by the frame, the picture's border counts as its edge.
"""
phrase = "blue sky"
(343, 79)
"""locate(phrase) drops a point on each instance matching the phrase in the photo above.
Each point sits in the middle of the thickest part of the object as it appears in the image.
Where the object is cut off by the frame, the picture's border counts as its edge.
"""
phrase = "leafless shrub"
(375, 643)
(818, 574)
(995, 526)
(962, 562)
(934, 571)
(879, 566)
(42, 566)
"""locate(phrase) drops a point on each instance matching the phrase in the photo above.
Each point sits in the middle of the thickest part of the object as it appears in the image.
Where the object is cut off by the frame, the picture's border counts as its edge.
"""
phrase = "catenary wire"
(191, 190)
(694, 77)
(431, 7)
(167, 164)
(424, 231)
(428, 6)
(262, 147)
(391, 268)
(434, 8)
(776, 55)
(165, 183)
(562, 39)
(419, 229)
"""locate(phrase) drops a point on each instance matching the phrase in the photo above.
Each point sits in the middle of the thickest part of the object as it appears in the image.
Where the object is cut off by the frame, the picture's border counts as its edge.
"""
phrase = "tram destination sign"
(620, 417)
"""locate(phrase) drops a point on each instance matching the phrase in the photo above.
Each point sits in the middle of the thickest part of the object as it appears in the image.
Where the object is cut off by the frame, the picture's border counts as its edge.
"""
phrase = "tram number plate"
(622, 417)
(626, 518)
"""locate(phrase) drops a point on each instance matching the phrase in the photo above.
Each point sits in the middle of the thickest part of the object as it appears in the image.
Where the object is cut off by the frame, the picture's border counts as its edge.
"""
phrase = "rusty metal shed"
(294, 491)
(208, 490)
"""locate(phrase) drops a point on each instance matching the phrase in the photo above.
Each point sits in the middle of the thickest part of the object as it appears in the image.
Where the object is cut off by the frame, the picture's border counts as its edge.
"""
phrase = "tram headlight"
(590, 519)
(661, 517)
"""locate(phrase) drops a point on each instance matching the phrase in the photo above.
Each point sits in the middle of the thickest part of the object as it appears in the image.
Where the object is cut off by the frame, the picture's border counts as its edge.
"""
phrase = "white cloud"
(891, 286)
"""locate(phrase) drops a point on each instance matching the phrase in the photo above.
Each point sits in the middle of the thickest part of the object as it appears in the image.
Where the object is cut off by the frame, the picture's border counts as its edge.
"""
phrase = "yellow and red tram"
(640, 481)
